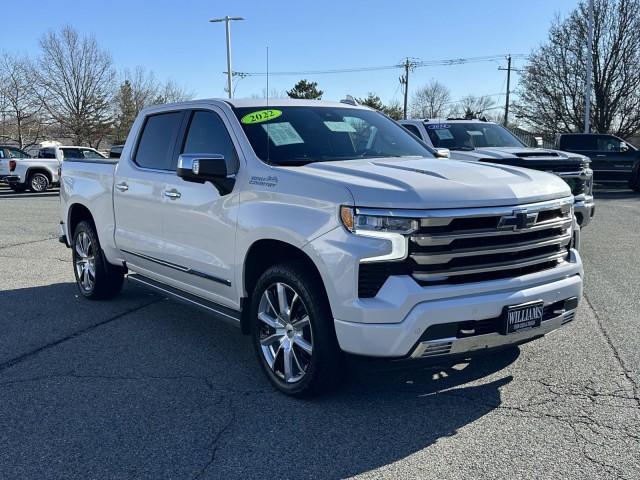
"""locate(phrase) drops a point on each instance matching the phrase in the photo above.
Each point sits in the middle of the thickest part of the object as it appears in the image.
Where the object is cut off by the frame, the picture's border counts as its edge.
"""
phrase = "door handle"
(172, 194)
(600, 155)
(123, 187)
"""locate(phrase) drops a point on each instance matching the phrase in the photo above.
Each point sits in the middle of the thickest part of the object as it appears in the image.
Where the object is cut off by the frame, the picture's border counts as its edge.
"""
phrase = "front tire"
(38, 182)
(96, 278)
(293, 333)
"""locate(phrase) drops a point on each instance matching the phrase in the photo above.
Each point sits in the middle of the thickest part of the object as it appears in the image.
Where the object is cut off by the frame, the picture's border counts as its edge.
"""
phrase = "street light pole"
(227, 20)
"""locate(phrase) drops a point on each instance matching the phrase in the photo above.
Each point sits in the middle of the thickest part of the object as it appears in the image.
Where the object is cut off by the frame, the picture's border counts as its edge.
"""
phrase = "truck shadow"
(140, 378)
(11, 194)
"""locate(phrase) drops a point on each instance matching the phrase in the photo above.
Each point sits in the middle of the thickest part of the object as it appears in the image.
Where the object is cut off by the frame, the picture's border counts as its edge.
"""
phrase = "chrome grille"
(461, 246)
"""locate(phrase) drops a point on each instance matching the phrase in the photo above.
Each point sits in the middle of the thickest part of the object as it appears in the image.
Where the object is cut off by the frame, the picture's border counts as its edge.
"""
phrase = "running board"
(221, 312)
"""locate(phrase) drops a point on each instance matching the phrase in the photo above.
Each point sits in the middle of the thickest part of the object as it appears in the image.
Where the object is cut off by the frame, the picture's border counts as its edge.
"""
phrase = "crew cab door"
(614, 159)
(139, 192)
(199, 221)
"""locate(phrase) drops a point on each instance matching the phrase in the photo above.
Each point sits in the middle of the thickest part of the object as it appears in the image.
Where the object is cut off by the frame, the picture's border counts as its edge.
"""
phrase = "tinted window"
(47, 153)
(71, 153)
(413, 129)
(468, 136)
(578, 142)
(300, 135)
(155, 147)
(208, 134)
(17, 153)
(115, 151)
(608, 143)
(89, 153)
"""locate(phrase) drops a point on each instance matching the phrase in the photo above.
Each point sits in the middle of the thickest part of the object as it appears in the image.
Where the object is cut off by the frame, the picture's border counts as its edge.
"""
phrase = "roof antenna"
(267, 95)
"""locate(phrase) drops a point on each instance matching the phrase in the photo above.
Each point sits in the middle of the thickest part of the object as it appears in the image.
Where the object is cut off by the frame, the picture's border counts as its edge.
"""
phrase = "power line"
(402, 65)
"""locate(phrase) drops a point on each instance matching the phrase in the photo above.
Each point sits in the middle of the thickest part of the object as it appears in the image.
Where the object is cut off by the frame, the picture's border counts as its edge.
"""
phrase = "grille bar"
(437, 258)
(492, 267)
(446, 238)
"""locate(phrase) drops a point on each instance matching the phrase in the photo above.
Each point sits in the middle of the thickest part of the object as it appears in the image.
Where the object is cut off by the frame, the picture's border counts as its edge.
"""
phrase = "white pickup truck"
(321, 229)
(41, 172)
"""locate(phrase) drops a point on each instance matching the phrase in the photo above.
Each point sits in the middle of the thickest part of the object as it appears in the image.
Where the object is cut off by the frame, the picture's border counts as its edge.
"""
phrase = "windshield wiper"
(464, 149)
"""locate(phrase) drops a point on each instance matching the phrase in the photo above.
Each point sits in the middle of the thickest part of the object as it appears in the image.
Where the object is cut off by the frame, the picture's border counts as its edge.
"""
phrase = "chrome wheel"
(85, 262)
(39, 182)
(286, 338)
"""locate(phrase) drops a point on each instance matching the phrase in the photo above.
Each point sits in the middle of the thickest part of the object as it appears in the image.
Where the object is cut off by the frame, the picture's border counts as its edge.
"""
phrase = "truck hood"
(538, 158)
(424, 183)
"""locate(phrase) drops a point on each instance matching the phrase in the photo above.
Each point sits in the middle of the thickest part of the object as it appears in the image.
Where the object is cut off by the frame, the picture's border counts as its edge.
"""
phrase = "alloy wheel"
(286, 337)
(85, 261)
(39, 182)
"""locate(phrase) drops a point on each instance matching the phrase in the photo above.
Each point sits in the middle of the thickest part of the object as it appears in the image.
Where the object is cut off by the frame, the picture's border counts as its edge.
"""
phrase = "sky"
(175, 40)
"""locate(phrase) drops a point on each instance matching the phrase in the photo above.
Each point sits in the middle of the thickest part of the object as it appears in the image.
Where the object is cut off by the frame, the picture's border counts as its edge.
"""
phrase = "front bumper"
(457, 346)
(584, 209)
(405, 338)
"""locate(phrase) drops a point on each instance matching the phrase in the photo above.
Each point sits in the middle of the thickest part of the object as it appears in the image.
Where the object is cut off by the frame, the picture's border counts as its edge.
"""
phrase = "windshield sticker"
(476, 133)
(282, 133)
(437, 126)
(340, 127)
(260, 116)
(444, 134)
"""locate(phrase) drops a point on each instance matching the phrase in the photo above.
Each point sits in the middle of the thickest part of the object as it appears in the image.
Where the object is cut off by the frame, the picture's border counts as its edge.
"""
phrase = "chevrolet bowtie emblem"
(520, 220)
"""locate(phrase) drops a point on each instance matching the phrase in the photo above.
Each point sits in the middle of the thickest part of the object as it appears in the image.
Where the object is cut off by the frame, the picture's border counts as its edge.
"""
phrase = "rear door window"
(68, 153)
(156, 144)
(413, 129)
(17, 153)
(90, 154)
(579, 142)
(47, 153)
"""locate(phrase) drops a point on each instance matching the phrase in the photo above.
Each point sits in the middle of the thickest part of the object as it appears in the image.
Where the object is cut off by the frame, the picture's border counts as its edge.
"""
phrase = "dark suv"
(613, 160)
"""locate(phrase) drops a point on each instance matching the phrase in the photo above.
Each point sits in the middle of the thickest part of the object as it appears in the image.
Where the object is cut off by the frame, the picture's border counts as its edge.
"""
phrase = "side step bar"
(221, 312)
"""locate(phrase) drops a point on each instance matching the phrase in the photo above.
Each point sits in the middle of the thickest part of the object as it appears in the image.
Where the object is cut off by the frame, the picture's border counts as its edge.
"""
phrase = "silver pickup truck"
(39, 173)
(323, 229)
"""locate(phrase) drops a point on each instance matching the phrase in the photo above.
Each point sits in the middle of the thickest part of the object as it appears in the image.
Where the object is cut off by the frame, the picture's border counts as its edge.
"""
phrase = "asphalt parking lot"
(142, 387)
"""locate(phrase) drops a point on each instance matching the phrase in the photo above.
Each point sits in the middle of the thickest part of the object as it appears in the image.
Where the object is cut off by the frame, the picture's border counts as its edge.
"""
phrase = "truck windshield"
(288, 135)
(471, 135)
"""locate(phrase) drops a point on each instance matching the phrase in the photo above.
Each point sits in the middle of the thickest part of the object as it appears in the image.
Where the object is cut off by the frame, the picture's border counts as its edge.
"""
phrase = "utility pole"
(227, 20)
(506, 103)
(587, 88)
(404, 81)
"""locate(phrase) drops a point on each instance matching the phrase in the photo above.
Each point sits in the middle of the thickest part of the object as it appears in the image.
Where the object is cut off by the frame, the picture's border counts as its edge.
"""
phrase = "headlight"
(363, 224)
(393, 229)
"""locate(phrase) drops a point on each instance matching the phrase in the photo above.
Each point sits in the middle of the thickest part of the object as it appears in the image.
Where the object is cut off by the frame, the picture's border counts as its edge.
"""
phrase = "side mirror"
(202, 167)
(443, 153)
(624, 147)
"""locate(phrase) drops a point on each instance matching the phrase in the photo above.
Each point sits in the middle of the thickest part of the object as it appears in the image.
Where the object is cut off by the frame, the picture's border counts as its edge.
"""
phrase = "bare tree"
(170, 92)
(552, 85)
(430, 101)
(473, 106)
(140, 89)
(76, 79)
(21, 119)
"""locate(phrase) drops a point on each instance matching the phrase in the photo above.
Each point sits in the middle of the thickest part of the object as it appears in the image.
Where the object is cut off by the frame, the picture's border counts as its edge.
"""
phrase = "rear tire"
(38, 182)
(634, 183)
(293, 332)
(96, 278)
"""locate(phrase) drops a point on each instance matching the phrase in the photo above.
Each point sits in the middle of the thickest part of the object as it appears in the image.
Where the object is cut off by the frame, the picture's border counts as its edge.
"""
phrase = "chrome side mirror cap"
(443, 153)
